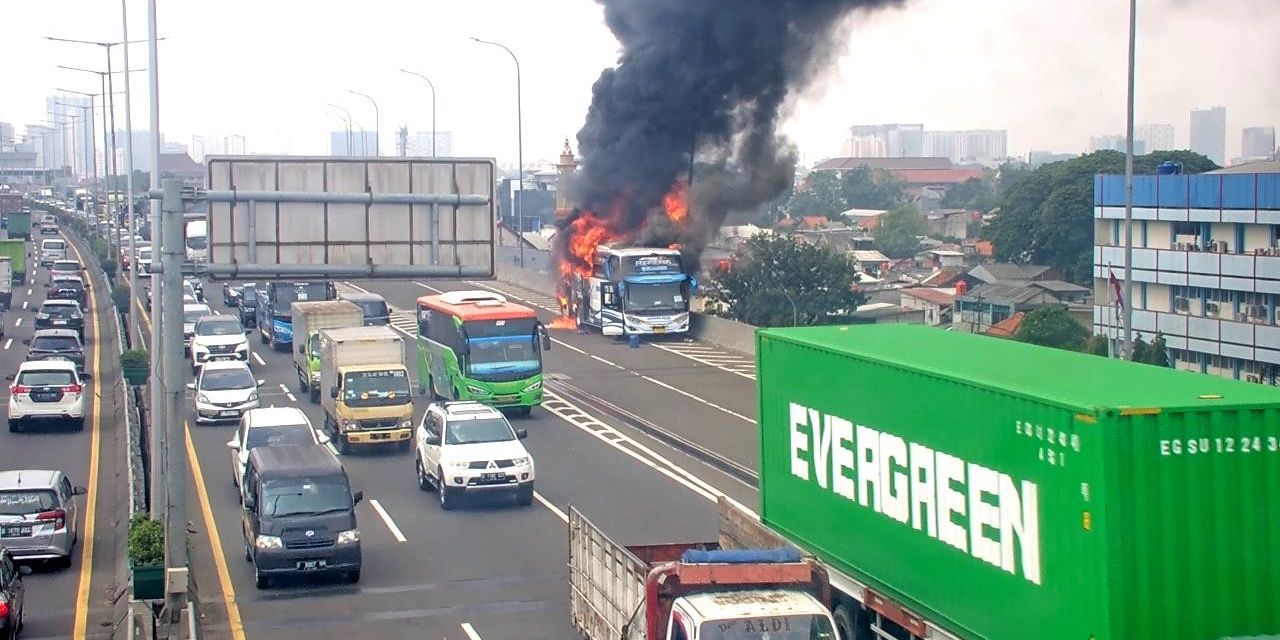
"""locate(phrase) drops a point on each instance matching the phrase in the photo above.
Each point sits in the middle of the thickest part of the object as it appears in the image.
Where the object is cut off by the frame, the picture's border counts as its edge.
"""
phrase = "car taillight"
(17, 388)
(4, 608)
(57, 516)
(72, 388)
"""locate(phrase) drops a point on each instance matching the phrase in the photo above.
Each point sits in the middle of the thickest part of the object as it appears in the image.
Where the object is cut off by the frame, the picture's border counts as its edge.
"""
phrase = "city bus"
(634, 290)
(476, 345)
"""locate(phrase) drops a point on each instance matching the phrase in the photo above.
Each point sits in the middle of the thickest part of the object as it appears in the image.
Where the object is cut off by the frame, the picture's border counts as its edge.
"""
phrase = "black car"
(61, 314)
(248, 304)
(12, 594)
(233, 293)
(56, 344)
(67, 288)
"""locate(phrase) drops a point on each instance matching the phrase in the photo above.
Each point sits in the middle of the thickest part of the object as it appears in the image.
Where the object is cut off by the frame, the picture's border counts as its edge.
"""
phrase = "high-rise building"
(141, 149)
(362, 143)
(420, 144)
(1155, 137)
(1206, 268)
(975, 145)
(73, 133)
(1115, 143)
(1209, 133)
(6, 136)
(1258, 143)
(896, 140)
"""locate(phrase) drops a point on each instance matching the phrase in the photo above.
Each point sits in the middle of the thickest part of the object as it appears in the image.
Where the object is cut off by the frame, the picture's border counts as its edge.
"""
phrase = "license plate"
(229, 414)
(505, 399)
(44, 397)
(16, 532)
(311, 565)
(60, 322)
(494, 477)
(379, 436)
(659, 330)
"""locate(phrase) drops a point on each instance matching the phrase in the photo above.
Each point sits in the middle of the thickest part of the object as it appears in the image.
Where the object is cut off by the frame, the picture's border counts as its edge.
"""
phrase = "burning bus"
(631, 290)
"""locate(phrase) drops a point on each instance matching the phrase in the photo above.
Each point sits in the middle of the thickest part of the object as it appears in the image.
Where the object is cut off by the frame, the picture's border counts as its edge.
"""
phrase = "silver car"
(38, 515)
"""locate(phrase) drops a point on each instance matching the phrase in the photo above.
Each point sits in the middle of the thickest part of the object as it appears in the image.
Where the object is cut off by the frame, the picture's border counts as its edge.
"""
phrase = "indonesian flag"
(1115, 288)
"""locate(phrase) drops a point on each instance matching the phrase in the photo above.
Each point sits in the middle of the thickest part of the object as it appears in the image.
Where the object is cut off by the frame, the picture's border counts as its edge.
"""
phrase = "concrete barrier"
(727, 334)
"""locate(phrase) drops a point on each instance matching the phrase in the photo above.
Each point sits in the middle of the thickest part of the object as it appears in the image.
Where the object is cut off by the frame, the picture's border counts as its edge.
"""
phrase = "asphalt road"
(492, 570)
(72, 602)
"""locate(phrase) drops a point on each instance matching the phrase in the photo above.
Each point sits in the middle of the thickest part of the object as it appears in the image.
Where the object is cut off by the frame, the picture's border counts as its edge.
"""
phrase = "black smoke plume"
(704, 76)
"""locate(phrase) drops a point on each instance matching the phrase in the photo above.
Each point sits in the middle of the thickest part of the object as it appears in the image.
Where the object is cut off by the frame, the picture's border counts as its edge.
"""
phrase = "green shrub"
(120, 296)
(146, 541)
(135, 359)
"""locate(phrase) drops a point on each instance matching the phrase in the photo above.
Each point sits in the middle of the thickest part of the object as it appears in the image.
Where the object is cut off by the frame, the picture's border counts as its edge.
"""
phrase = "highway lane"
(710, 406)
(70, 602)
(497, 567)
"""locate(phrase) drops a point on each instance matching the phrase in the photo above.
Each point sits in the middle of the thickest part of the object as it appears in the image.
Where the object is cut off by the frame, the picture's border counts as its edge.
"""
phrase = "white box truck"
(309, 318)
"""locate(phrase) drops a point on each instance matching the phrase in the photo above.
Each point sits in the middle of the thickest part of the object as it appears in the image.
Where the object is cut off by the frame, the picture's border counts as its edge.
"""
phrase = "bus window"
(424, 321)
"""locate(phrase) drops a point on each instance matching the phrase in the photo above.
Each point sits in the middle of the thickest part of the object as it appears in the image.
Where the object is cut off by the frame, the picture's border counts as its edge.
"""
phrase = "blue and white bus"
(634, 290)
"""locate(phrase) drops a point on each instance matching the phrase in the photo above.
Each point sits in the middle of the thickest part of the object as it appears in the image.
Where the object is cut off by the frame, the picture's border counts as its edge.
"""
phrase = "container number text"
(1201, 446)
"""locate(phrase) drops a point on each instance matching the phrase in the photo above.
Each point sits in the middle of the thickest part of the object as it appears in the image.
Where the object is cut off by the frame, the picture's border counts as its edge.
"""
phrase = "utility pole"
(128, 162)
(1126, 317)
(162, 410)
(174, 429)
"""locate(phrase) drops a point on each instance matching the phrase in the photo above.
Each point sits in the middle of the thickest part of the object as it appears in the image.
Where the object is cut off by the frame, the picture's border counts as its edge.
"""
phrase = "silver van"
(38, 515)
(51, 250)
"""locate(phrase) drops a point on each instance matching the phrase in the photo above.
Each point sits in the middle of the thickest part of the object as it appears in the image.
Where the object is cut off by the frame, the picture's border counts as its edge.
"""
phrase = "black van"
(299, 514)
(374, 306)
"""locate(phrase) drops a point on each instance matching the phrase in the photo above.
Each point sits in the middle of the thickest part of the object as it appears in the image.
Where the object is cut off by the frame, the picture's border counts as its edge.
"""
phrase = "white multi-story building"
(420, 144)
(1206, 268)
(1154, 137)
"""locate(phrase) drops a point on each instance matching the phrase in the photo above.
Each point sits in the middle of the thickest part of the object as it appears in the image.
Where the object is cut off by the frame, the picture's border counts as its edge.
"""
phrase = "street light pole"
(377, 123)
(128, 163)
(519, 148)
(347, 119)
(93, 142)
(1127, 304)
(433, 107)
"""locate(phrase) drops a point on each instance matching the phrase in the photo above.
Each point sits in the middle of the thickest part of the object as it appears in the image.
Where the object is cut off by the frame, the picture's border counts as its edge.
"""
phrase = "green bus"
(475, 345)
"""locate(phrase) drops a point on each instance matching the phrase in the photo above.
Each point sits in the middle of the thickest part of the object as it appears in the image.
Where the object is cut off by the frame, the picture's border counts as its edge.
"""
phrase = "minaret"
(564, 169)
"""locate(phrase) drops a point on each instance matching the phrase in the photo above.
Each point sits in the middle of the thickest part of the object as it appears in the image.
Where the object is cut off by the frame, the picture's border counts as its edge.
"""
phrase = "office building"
(141, 149)
(1258, 143)
(1115, 143)
(892, 140)
(420, 144)
(975, 145)
(73, 133)
(354, 143)
(1209, 133)
(1206, 268)
(1155, 137)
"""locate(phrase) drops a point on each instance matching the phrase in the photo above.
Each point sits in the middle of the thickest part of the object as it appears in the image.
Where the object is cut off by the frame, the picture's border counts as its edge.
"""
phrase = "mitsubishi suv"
(218, 338)
(467, 448)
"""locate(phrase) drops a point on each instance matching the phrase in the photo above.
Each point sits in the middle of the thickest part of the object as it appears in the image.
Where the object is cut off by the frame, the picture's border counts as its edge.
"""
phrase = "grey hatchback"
(38, 510)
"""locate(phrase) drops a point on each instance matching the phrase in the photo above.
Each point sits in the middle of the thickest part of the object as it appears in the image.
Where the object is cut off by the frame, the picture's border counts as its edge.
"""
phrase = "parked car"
(269, 426)
(223, 392)
(12, 594)
(38, 509)
(56, 344)
(477, 446)
(67, 288)
(46, 391)
(61, 314)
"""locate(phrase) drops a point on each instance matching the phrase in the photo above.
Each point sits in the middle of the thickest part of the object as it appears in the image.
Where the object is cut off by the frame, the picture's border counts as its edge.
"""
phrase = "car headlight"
(522, 462)
(202, 398)
(458, 466)
(406, 424)
(533, 387)
(268, 542)
(474, 390)
(253, 397)
(350, 536)
(243, 346)
(348, 423)
(42, 316)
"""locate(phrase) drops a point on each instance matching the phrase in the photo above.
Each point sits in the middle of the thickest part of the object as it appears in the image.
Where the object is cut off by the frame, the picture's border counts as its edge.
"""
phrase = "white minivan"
(52, 249)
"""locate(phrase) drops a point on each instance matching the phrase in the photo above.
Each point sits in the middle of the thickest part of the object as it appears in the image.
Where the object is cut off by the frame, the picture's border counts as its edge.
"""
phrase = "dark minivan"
(374, 306)
(299, 514)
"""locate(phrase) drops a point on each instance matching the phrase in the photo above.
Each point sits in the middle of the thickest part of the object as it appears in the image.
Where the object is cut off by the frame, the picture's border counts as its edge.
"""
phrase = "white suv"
(468, 447)
(218, 338)
(269, 427)
(46, 390)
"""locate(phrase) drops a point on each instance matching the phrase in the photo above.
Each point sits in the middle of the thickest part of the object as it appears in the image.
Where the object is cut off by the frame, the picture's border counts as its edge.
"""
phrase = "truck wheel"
(303, 385)
(260, 581)
(845, 627)
(353, 576)
(344, 447)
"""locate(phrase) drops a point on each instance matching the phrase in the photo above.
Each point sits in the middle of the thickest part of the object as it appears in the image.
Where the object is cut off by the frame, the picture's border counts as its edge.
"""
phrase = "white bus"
(634, 290)
(197, 241)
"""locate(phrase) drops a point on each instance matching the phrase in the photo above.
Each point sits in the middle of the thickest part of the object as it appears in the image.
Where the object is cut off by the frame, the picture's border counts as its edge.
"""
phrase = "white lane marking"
(8, 343)
(24, 304)
(386, 517)
(708, 360)
(259, 359)
(548, 504)
(290, 396)
(28, 292)
(470, 631)
(284, 389)
(18, 322)
(428, 287)
(331, 448)
(569, 346)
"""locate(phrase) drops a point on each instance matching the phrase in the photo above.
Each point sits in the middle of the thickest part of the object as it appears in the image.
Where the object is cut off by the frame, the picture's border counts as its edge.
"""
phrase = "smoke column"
(705, 75)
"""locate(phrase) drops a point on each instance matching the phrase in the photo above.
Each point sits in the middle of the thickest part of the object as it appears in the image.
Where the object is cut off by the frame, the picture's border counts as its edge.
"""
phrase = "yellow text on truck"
(364, 386)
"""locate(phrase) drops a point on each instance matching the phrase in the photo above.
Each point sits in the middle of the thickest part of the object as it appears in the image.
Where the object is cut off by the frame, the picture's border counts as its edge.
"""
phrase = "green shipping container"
(16, 250)
(1007, 491)
(19, 224)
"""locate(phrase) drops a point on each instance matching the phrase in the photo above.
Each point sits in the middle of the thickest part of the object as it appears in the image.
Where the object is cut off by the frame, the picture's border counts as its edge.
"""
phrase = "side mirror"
(333, 392)
(546, 339)
(191, 386)
(250, 503)
(88, 286)
(8, 376)
(357, 497)
(233, 445)
(261, 382)
(433, 441)
(78, 491)
(522, 433)
(86, 376)
(324, 439)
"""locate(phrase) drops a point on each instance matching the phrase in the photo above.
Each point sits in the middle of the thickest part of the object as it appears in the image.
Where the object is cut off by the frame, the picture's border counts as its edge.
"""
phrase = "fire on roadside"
(676, 203)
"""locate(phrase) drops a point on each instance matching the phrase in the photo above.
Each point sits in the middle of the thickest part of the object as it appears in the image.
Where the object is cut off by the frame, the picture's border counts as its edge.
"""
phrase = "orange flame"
(586, 234)
(676, 203)
(563, 322)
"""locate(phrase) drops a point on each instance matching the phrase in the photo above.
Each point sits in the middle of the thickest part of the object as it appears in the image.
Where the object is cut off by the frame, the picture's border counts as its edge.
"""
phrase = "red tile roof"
(940, 298)
(942, 278)
(937, 176)
(1008, 327)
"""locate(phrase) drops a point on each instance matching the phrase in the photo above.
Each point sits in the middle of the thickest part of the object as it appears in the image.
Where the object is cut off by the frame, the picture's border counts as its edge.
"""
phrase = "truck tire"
(315, 396)
(846, 623)
(263, 337)
(303, 385)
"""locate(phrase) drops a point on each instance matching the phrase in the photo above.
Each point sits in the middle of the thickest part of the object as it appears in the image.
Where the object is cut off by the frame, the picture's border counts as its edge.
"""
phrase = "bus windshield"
(663, 297)
(503, 348)
(375, 388)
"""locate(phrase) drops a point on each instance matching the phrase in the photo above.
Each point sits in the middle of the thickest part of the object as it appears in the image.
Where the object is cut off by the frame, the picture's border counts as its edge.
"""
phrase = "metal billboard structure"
(301, 216)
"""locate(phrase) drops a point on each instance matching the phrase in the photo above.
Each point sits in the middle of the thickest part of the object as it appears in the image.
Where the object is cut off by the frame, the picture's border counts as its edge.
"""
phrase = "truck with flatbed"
(364, 386)
(963, 487)
(309, 318)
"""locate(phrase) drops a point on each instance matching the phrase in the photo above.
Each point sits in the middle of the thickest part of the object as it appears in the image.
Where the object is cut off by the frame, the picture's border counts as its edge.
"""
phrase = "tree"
(1052, 326)
(974, 193)
(1158, 352)
(1097, 345)
(1140, 352)
(1046, 216)
(866, 188)
(898, 233)
(819, 195)
(773, 272)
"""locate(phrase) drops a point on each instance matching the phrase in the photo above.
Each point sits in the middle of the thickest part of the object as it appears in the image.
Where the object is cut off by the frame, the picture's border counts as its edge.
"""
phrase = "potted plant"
(146, 557)
(135, 366)
(120, 296)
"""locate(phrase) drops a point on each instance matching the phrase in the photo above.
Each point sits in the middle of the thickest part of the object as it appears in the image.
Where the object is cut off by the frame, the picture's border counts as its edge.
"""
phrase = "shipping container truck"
(308, 319)
(961, 486)
(365, 387)
(10, 202)
(6, 282)
(16, 251)
(18, 224)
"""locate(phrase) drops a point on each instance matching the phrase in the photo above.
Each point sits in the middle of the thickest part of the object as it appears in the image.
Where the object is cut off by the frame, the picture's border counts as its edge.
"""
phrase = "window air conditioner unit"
(1257, 311)
(1211, 308)
(1181, 304)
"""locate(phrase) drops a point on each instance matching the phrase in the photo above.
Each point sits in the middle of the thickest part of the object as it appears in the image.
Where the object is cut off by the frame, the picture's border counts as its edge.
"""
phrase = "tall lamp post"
(346, 118)
(377, 122)
(93, 142)
(433, 107)
(1127, 304)
(86, 121)
(519, 148)
(108, 130)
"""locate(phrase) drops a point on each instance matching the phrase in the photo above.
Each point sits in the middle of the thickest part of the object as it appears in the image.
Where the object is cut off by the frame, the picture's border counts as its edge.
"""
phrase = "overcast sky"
(1049, 71)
